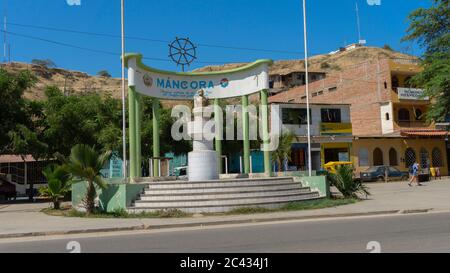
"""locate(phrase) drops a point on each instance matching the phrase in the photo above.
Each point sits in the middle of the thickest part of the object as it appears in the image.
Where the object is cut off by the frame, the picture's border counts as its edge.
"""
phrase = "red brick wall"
(361, 85)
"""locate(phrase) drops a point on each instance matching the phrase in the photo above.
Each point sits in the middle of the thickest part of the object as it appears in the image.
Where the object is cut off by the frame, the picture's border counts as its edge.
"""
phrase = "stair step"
(220, 196)
(218, 185)
(225, 181)
(225, 201)
(234, 189)
(224, 207)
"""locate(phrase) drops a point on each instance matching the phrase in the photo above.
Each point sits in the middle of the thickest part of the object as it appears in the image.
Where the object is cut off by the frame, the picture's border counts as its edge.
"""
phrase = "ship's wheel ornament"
(182, 51)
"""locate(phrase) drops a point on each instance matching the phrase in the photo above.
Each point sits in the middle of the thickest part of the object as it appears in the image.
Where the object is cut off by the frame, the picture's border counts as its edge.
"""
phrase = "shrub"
(344, 180)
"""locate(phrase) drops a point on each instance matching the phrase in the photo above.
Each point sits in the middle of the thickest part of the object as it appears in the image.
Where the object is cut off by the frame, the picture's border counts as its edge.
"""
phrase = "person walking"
(414, 174)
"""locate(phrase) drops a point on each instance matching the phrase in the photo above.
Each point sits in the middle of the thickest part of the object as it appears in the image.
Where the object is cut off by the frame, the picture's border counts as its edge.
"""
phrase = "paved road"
(400, 233)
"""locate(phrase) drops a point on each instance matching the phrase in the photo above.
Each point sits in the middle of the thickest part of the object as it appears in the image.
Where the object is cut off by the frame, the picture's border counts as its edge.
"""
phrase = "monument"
(202, 161)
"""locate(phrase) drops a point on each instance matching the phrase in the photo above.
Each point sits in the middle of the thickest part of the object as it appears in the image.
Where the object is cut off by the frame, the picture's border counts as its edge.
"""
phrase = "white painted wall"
(387, 126)
(316, 119)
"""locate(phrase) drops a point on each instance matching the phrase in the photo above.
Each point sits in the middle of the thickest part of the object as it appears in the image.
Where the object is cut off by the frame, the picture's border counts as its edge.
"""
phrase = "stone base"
(202, 166)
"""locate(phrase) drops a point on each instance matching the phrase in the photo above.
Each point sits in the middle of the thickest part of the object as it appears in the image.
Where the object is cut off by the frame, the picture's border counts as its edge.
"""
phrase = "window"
(314, 94)
(331, 115)
(332, 89)
(363, 157)
(403, 115)
(320, 93)
(408, 82)
(292, 116)
(393, 159)
(418, 114)
(424, 161)
(387, 116)
(303, 97)
(378, 157)
(410, 157)
(395, 83)
(436, 158)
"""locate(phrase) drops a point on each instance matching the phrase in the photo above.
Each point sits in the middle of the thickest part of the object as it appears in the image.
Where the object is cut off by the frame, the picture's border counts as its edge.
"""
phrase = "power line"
(88, 49)
(153, 40)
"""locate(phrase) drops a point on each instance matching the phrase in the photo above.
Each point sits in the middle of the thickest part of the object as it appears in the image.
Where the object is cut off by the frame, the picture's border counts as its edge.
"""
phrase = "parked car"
(181, 173)
(7, 190)
(378, 173)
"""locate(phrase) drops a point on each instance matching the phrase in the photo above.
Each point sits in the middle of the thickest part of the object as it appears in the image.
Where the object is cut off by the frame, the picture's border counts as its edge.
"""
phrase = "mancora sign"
(335, 128)
(161, 84)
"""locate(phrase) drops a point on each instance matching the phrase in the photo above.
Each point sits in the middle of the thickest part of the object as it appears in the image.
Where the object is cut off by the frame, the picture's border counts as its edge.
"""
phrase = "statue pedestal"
(202, 161)
(202, 166)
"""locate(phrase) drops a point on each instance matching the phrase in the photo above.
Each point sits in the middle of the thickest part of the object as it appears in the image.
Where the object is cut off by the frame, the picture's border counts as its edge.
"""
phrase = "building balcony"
(412, 124)
(409, 95)
(328, 129)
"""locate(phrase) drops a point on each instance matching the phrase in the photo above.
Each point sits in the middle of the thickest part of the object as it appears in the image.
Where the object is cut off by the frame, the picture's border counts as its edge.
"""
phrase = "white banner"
(184, 86)
(411, 94)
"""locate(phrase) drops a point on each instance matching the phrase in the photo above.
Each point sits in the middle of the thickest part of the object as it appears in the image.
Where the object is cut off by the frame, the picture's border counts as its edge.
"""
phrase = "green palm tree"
(86, 163)
(59, 183)
(344, 180)
(284, 149)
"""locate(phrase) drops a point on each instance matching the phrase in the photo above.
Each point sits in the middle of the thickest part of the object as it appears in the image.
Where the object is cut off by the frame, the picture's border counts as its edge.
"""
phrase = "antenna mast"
(360, 41)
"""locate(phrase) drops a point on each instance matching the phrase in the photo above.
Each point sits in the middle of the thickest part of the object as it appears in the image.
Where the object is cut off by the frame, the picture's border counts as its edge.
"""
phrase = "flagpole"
(124, 126)
(305, 36)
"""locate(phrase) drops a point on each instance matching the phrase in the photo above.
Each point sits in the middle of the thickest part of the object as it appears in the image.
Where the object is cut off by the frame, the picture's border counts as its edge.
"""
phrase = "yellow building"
(401, 152)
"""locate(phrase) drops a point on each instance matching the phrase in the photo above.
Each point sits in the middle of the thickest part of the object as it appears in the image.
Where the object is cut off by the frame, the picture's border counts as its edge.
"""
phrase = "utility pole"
(124, 126)
(305, 37)
(5, 29)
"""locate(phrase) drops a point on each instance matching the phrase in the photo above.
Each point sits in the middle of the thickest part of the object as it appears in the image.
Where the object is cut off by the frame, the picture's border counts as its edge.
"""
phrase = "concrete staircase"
(221, 195)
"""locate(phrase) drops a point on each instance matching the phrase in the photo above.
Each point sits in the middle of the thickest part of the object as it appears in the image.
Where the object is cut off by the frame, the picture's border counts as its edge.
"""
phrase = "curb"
(208, 223)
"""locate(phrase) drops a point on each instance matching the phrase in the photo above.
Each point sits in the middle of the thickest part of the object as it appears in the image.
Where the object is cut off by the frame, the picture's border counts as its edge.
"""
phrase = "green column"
(219, 134)
(132, 129)
(156, 150)
(265, 129)
(246, 133)
(138, 119)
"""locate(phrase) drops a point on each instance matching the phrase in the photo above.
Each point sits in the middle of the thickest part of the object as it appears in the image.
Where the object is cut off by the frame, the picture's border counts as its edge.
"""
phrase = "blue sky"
(260, 24)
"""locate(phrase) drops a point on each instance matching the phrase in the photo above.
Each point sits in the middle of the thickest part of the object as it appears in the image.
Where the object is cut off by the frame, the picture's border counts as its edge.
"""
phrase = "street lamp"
(305, 37)
(124, 127)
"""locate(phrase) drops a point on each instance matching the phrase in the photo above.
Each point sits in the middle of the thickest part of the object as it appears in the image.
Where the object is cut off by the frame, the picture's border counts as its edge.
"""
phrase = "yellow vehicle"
(331, 166)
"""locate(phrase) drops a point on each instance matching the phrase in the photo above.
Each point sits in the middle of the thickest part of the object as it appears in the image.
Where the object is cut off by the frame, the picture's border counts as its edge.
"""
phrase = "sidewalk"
(21, 220)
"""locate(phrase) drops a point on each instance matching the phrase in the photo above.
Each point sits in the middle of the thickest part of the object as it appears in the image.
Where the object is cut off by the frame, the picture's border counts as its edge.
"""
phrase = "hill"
(325, 62)
(76, 82)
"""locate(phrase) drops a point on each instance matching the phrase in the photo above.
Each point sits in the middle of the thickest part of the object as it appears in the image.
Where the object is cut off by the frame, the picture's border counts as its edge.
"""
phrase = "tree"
(104, 73)
(284, 150)
(86, 163)
(14, 109)
(44, 63)
(58, 184)
(431, 29)
(388, 47)
(88, 119)
(168, 144)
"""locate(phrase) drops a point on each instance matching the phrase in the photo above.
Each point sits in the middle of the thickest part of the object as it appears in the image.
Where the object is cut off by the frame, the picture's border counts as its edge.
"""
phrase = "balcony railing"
(412, 124)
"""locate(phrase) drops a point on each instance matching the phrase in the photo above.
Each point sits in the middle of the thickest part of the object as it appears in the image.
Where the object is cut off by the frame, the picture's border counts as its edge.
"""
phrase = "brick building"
(387, 114)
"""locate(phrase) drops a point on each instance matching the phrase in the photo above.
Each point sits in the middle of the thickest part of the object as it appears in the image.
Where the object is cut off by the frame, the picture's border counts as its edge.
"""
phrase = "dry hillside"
(79, 82)
(324, 63)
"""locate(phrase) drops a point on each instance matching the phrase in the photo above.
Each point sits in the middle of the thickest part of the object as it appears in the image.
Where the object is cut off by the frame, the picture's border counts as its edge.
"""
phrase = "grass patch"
(303, 205)
(175, 213)
(168, 213)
